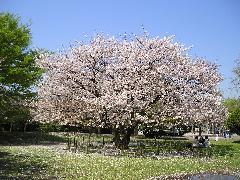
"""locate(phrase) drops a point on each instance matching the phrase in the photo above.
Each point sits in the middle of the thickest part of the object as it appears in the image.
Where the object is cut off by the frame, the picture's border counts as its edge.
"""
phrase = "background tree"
(236, 71)
(119, 83)
(18, 71)
(233, 104)
(233, 120)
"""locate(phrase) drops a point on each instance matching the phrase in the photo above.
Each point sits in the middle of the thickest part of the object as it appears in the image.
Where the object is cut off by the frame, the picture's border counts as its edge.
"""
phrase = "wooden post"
(158, 149)
(69, 143)
(89, 138)
(74, 141)
(11, 126)
(103, 141)
(76, 146)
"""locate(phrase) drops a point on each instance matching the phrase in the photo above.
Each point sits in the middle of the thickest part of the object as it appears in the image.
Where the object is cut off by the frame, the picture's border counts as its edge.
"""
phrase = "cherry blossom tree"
(119, 83)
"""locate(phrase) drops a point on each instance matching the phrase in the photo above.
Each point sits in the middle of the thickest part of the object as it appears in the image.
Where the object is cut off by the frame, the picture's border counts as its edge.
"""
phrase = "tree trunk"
(200, 130)
(193, 132)
(135, 131)
(25, 127)
(99, 130)
(11, 126)
(121, 138)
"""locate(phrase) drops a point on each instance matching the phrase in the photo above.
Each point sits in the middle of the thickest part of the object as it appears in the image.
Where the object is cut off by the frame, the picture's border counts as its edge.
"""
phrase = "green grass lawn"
(40, 162)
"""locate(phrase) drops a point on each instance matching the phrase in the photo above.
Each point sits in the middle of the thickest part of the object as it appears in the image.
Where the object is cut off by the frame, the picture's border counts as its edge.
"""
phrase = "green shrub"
(233, 121)
(51, 127)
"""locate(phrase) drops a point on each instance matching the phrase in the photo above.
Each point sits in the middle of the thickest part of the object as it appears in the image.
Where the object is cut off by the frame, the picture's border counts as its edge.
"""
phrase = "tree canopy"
(119, 83)
(18, 71)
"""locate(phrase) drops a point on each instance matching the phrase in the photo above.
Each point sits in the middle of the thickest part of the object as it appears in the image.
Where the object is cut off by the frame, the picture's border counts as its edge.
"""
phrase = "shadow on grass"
(183, 148)
(15, 166)
(214, 151)
(29, 138)
(174, 138)
(141, 137)
(237, 142)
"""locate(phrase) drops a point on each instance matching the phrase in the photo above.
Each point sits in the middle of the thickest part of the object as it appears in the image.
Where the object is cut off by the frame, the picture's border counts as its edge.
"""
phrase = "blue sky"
(212, 27)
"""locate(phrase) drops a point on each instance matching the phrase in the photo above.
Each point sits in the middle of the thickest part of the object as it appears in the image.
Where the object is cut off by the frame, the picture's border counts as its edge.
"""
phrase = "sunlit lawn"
(39, 162)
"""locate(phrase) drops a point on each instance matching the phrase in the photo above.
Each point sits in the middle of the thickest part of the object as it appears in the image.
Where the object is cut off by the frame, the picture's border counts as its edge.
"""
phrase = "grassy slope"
(40, 162)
